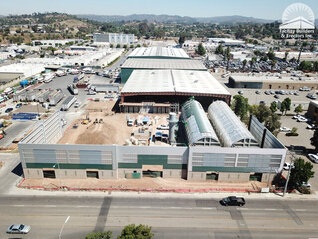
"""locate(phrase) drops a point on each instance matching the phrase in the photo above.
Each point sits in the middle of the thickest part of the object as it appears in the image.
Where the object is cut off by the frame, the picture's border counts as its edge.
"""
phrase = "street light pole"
(58, 167)
(289, 169)
(66, 220)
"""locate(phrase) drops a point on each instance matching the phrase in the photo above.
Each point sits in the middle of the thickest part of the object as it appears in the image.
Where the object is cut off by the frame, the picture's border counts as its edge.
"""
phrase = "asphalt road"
(16, 129)
(170, 218)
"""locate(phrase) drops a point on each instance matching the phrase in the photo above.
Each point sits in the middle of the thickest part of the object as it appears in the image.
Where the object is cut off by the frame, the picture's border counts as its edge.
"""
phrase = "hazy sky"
(267, 9)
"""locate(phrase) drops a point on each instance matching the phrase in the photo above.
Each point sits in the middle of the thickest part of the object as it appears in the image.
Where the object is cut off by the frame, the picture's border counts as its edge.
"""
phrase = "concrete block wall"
(197, 176)
(32, 173)
(268, 176)
(234, 177)
(108, 174)
(172, 173)
(70, 173)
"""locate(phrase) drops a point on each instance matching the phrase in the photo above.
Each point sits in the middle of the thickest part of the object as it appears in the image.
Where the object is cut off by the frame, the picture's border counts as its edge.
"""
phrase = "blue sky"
(267, 9)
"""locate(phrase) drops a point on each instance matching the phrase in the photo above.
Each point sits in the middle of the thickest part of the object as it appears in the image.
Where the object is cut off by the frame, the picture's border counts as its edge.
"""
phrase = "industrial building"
(114, 38)
(226, 41)
(271, 82)
(162, 91)
(204, 158)
(159, 53)
(132, 64)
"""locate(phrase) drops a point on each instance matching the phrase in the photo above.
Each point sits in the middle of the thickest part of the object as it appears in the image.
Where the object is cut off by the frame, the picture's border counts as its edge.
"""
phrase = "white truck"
(130, 121)
(68, 103)
(73, 89)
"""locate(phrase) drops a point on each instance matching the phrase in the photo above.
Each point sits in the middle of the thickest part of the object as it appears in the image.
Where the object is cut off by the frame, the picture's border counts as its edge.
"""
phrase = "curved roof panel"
(197, 124)
(230, 130)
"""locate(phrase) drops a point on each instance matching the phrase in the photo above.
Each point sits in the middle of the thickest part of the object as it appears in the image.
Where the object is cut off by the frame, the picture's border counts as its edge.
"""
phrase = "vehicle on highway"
(18, 105)
(18, 229)
(313, 157)
(233, 201)
(285, 129)
(8, 110)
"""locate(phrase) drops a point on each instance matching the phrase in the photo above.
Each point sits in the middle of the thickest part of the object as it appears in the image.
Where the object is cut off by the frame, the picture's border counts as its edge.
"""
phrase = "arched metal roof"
(198, 128)
(230, 130)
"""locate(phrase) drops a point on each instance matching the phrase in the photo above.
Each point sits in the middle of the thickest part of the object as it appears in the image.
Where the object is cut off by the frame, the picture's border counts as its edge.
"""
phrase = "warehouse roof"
(182, 64)
(197, 124)
(273, 79)
(177, 81)
(230, 130)
(159, 52)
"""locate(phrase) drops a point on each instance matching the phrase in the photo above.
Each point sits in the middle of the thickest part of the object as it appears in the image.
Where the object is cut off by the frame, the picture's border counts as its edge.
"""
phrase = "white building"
(114, 38)
(226, 41)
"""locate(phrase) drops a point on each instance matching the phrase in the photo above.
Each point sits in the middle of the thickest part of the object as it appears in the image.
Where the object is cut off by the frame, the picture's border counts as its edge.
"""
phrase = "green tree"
(240, 106)
(273, 107)
(201, 50)
(111, 46)
(263, 112)
(99, 235)
(272, 123)
(219, 50)
(181, 40)
(301, 172)
(314, 139)
(271, 54)
(298, 109)
(285, 105)
(118, 45)
(136, 232)
(244, 62)
(286, 55)
(125, 46)
(305, 66)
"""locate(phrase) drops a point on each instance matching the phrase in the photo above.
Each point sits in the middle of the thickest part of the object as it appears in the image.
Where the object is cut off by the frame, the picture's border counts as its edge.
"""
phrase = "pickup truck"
(233, 201)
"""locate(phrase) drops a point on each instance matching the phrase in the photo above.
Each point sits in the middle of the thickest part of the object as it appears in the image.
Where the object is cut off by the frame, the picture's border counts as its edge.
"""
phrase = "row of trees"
(266, 115)
(129, 232)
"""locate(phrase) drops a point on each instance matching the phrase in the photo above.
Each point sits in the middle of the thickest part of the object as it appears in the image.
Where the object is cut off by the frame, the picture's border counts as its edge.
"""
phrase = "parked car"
(285, 129)
(18, 105)
(296, 116)
(8, 110)
(258, 92)
(233, 201)
(276, 96)
(18, 229)
(163, 127)
(313, 157)
(302, 119)
(288, 165)
(240, 92)
(311, 126)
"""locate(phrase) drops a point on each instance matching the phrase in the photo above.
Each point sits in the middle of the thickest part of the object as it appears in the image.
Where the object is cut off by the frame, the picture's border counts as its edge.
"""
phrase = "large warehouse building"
(161, 91)
(271, 82)
(210, 154)
(159, 53)
(132, 64)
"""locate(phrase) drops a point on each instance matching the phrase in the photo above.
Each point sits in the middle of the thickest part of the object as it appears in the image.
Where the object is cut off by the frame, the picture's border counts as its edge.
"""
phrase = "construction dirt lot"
(111, 127)
(144, 183)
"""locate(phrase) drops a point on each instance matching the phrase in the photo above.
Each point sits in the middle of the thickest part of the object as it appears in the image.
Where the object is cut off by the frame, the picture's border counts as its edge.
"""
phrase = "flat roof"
(173, 81)
(183, 64)
(274, 79)
(314, 102)
(159, 52)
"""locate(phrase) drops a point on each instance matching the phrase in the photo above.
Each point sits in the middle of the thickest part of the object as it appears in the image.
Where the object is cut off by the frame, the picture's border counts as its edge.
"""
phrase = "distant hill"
(139, 17)
(173, 18)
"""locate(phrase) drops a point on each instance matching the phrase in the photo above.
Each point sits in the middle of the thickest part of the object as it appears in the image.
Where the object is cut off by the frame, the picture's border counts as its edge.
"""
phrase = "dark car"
(18, 105)
(8, 110)
(233, 201)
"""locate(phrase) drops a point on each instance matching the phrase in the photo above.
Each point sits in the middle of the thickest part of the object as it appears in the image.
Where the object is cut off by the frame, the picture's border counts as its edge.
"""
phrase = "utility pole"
(289, 169)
